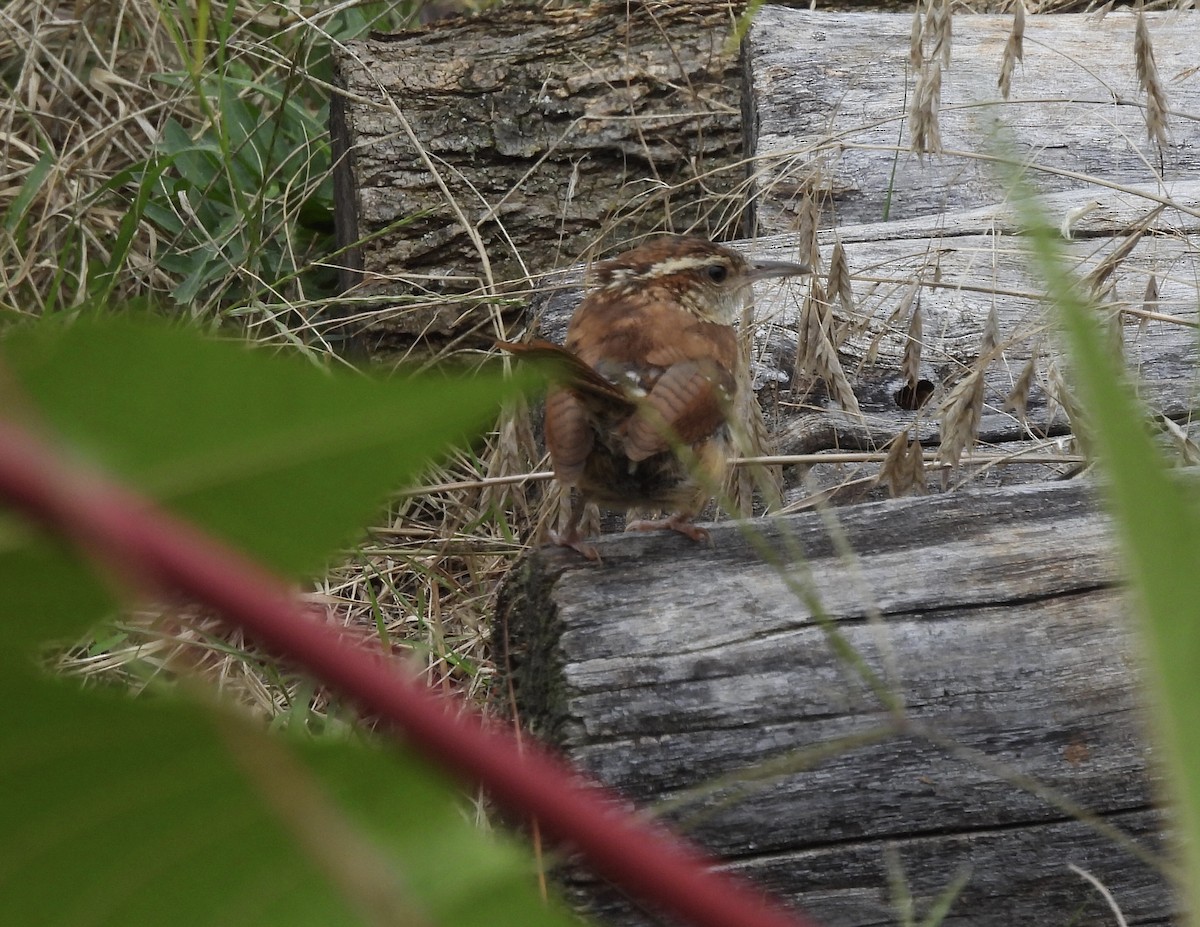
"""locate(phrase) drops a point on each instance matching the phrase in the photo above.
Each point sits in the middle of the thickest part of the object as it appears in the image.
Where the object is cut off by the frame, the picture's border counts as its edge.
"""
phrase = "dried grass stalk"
(1188, 452)
(1017, 400)
(803, 325)
(1150, 83)
(915, 466)
(1116, 326)
(1072, 217)
(808, 218)
(1150, 296)
(960, 413)
(959, 416)
(991, 335)
(1061, 394)
(941, 28)
(916, 56)
(751, 437)
(514, 451)
(902, 308)
(923, 115)
(890, 471)
(1014, 49)
(1099, 276)
(839, 278)
(816, 352)
(927, 94)
(906, 302)
(910, 366)
(903, 469)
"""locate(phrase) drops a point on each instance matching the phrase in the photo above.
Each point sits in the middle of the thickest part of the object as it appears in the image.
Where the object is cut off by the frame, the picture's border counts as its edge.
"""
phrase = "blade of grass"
(29, 189)
(1158, 523)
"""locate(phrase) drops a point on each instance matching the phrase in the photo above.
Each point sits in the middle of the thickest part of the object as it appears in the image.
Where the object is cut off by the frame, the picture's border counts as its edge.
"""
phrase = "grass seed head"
(1147, 73)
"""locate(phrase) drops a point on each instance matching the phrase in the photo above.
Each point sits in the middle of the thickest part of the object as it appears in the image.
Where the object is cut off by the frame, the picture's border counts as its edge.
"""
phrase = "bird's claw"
(680, 523)
(577, 542)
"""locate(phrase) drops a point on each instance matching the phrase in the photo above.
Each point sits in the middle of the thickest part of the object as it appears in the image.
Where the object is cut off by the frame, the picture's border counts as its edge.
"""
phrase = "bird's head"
(707, 279)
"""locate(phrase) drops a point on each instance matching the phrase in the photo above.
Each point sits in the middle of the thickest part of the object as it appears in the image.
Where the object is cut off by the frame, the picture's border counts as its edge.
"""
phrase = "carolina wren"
(648, 375)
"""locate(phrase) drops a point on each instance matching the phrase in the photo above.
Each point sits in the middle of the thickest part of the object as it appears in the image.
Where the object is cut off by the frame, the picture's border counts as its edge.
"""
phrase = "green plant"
(244, 195)
(122, 811)
(192, 175)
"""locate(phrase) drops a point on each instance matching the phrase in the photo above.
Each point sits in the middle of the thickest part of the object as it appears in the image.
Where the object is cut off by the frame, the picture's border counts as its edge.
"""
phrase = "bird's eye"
(717, 273)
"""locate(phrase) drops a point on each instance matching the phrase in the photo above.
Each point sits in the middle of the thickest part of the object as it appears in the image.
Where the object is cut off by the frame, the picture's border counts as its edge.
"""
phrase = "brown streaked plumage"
(648, 374)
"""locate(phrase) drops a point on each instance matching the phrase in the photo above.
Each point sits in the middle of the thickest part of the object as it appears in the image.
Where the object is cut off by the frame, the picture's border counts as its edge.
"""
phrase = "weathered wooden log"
(832, 94)
(993, 727)
(956, 270)
(483, 151)
(823, 84)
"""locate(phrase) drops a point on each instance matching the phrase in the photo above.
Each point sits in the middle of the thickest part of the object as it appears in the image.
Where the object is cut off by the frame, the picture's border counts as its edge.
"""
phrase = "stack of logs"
(933, 690)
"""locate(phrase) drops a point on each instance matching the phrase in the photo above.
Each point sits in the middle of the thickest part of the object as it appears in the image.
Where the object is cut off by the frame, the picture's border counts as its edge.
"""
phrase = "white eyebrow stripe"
(675, 265)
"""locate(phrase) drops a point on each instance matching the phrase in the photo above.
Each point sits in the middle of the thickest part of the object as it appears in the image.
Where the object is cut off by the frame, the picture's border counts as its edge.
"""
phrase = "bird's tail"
(570, 371)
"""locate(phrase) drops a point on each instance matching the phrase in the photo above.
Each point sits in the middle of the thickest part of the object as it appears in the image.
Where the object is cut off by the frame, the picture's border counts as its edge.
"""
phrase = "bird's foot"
(573, 539)
(681, 523)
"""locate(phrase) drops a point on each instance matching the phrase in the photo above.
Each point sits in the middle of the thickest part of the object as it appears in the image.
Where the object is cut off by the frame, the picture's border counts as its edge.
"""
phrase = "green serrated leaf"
(119, 812)
(285, 460)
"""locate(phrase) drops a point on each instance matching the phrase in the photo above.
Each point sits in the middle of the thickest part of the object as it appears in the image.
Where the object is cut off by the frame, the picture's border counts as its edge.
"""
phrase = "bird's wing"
(688, 403)
(576, 406)
(689, 400)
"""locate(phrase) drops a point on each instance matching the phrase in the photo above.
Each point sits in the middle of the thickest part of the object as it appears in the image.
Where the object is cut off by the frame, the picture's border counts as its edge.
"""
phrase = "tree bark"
(483, 152)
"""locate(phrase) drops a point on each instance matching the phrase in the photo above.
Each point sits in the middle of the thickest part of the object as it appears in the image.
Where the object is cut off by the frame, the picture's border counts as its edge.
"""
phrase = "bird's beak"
(762, 270)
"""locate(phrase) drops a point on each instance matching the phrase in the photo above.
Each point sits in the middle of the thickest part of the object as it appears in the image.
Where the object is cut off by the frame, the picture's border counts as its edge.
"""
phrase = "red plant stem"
(159, 551)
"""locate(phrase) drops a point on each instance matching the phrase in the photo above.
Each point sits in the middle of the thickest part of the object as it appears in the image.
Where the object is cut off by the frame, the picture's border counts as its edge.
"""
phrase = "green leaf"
(203, 265)
(285, 460)
(198, 162)
(45, 593)
(119, 812)
(166, 219)
(242, 123)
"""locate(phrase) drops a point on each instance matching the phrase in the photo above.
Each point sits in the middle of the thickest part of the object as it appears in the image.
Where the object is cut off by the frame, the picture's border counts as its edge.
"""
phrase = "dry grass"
(1151, 84)
(1014, 50)
(1007, 370)
(80, 107)
(928, 54)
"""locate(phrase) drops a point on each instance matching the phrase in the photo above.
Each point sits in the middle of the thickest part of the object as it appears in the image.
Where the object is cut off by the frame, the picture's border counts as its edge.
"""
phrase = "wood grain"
(992, 617)
(485, 150)
(832, 91)
(958, 268)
